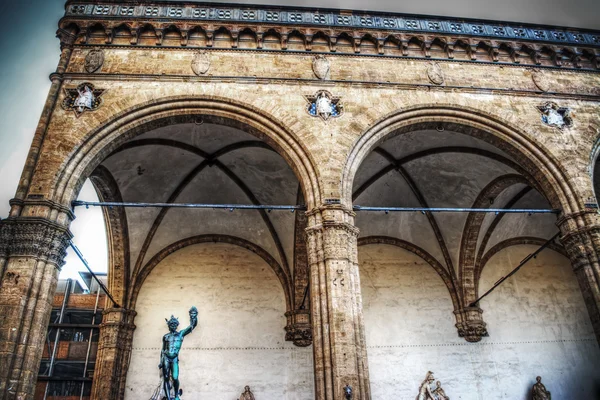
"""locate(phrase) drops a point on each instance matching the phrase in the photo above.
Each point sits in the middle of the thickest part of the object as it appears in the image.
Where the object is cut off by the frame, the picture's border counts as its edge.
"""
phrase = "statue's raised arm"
(193, 321)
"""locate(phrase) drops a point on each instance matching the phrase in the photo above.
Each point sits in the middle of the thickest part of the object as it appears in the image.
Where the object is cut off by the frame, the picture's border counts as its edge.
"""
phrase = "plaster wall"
(239, 340)
(537, 322)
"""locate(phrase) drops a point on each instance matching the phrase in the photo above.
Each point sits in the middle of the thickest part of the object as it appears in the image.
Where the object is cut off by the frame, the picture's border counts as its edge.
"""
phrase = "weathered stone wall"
(370, 89)
(537, 322)
(239, 339)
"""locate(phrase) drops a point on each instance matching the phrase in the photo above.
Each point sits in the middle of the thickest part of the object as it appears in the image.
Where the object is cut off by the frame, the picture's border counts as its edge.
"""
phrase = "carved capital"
(298, 329)
(470, 325)
(34, 237)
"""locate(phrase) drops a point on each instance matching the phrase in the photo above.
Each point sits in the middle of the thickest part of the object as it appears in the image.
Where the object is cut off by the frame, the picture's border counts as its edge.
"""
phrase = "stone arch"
(139, 279)
(428, 258)
(543, 167)
(111, 134)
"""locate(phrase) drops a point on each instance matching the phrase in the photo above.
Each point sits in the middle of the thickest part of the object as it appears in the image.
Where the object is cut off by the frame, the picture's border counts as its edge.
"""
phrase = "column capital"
(470, 325)
(34, 237)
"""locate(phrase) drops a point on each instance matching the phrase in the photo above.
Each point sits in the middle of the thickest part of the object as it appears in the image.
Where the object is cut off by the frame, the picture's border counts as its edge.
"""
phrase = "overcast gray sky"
(30, 53)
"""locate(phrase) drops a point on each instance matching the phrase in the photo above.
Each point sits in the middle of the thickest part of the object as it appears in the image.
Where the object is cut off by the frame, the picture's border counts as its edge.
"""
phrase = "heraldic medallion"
(435, 74)
(321, 67)
(540, 79)
(324, 105)
(84, 97)
(554, 115)
(201, 63)
(94, 61)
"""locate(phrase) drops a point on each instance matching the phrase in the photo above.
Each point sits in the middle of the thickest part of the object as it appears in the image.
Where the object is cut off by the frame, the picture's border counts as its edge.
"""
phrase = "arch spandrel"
(536, 147)
(93, 139)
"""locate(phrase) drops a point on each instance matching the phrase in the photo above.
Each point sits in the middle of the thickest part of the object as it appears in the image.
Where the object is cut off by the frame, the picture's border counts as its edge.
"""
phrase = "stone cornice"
(326, 19)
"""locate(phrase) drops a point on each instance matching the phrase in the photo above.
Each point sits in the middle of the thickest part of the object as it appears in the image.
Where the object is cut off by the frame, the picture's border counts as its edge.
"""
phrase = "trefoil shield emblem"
(321, 67)
(84, 97)
(553, 115)
(324, 105)
(201, 63)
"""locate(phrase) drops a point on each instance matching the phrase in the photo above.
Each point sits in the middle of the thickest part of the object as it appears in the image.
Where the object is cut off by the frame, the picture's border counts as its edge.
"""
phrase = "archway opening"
(202, 159)
(417, 264)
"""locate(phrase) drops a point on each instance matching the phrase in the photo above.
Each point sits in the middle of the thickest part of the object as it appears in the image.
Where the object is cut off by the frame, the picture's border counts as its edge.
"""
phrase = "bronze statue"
(169, 356)
(348, 392)
(425, 392)
(439, 392)
(247, 395)
(539, 390)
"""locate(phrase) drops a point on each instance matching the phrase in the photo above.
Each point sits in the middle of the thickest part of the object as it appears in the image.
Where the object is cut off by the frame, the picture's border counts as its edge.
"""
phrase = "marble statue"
(425, 392)
(247, 395)
(169, 356)
(539, 390)
(324, 106)
(84, 100)
(439, 392)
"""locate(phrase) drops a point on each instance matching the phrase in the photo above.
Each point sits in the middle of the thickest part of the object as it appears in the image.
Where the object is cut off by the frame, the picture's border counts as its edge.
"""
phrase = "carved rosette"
(34, 237)
(470, 325)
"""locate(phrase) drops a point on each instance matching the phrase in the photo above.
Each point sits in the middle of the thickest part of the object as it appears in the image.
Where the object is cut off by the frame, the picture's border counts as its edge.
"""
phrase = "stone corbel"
(333, 44)
(210, 36)
(284, 41)
(83, 36)
(184, 37)
(260, 33)
(470, 324)
(356, 45)
(298, 329)
(308, 43)
(472, 50)
(159, 36)
(135, 35)
(381, 46)
(109, 35)
(235, 36)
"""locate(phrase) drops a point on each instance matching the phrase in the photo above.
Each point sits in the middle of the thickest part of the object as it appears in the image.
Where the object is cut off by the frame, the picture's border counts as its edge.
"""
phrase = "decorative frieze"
(34, 237)
(325, 20)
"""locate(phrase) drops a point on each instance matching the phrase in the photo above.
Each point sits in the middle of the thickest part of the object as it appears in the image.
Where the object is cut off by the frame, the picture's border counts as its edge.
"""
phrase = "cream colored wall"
(537, 321)
(240, 338)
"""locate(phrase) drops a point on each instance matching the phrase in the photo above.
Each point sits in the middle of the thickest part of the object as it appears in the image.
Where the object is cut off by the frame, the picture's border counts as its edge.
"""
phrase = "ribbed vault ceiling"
(210, 163)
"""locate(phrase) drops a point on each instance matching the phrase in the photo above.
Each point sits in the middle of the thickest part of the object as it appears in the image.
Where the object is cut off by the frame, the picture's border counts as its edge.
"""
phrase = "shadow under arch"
(544, 167)
(423, 254)
(117, 129)
(139, 279)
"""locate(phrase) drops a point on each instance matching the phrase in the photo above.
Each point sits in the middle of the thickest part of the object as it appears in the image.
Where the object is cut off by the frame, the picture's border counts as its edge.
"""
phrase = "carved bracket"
(470, 324)
(298, 329)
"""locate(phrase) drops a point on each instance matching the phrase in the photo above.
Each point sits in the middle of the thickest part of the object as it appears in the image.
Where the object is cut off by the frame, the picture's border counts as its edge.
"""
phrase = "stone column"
(114, 353)
(33, 250)
(581, 238)
(339, 346)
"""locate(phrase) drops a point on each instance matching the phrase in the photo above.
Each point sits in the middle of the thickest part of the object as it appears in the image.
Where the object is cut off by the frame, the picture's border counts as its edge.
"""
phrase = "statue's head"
(538, 379)
(172, 323)
(438, 384)
(430, 377)
(247, 388)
